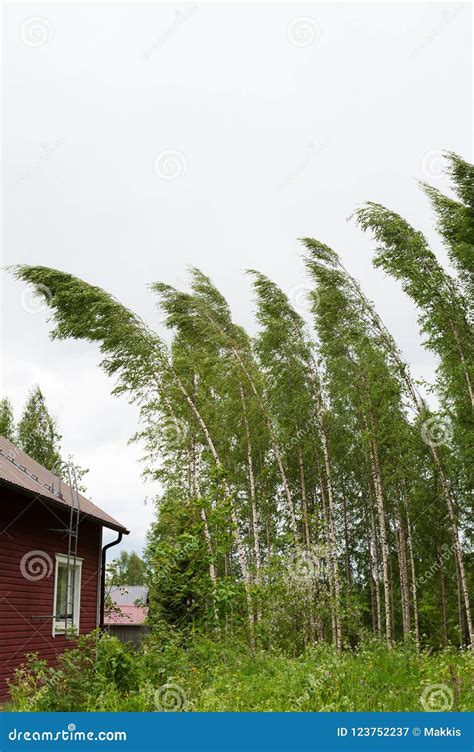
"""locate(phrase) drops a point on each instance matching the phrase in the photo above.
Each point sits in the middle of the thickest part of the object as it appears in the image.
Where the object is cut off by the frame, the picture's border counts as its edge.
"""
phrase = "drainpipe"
(102, 577)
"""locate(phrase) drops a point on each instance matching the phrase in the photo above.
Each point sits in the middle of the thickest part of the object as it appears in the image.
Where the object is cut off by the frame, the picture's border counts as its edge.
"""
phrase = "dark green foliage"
(305, 497)
(37, 432)
(127, 569)
(180, 587)
(100, 673)
(209, 675)
(7, 424)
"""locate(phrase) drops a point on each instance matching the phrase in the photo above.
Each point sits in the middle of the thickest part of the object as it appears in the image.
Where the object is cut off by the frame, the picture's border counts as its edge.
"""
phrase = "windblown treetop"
(307, 491)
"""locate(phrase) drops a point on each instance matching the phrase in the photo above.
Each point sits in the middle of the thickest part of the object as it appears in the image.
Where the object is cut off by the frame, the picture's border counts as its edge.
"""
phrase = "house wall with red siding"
(25, 526)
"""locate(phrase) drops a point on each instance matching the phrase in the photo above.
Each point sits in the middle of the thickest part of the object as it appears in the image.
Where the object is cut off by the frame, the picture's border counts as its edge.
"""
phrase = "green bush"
(99, 673)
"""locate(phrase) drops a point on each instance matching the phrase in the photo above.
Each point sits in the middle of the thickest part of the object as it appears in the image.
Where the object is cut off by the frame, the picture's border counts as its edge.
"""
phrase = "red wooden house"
(52, 562)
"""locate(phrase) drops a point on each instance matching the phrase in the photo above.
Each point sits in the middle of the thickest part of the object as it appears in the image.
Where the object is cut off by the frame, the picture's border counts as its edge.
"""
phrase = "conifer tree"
(7, 423)
(38, 433)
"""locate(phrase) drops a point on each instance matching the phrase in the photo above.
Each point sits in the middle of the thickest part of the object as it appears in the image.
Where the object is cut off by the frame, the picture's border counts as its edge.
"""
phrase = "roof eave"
(60, 505)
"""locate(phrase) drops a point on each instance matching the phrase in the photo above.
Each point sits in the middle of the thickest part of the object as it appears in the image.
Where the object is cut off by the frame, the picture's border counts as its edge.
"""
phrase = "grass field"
(203, 675)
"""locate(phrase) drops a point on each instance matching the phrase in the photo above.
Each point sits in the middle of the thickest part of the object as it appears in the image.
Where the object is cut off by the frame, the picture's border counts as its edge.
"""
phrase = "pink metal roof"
(132, 616)
(20, 470)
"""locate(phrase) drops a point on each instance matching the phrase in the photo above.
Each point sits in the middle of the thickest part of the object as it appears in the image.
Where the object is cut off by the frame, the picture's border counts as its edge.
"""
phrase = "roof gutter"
(102, 577)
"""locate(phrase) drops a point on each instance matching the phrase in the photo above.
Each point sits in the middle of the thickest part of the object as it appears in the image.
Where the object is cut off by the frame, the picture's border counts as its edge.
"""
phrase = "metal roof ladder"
(73, 538)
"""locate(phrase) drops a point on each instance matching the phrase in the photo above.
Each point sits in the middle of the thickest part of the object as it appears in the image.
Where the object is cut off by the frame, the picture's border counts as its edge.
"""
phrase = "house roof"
(23, 472)
(126, 595)
(126, 616)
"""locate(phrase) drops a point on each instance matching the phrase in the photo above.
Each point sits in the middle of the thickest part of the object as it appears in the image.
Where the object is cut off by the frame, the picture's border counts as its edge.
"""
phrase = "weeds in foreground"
(168, 674)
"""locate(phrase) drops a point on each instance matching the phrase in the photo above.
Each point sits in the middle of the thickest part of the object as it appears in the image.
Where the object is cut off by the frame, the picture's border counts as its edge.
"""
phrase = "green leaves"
(81, 311)
(7, 424)
(37, 432)
(127, 569)
(306, 434)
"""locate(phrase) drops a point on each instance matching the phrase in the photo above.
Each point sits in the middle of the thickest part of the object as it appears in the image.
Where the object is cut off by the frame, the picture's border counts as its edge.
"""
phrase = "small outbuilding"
(126, 613)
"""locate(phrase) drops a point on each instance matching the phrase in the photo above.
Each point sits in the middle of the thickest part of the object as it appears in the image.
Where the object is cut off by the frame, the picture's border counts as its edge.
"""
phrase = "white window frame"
(59, 628)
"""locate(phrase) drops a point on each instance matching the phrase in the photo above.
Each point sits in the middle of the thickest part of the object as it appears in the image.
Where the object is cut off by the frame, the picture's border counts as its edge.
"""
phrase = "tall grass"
(205, 675)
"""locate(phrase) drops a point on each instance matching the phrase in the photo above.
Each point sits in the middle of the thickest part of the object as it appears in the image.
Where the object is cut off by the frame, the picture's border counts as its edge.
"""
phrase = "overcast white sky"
(142, 138)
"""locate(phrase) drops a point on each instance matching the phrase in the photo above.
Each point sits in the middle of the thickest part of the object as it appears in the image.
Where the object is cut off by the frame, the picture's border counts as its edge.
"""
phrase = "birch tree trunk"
(370, 571)
(304, 504)
(235, 524)
(421, 410)
(195, 492)
(330, 567)
(414, 594)
(464, 364)
(383, 539)
(207, 532)
(331, 515)
(253, 497)
(346, 539)
(377, 573)
(269, 423)
(403, 569)
(442, 602)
